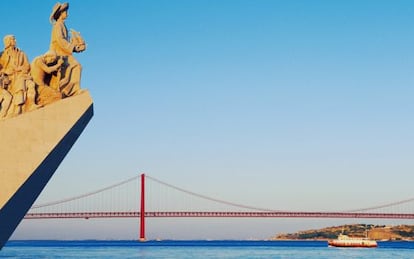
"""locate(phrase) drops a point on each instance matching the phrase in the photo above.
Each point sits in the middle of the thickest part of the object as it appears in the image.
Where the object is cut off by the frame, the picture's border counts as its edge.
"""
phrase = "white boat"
(346, 241)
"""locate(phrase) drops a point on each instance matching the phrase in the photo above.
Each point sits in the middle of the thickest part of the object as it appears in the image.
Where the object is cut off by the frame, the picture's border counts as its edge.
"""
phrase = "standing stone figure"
(67, 80)
(42, 68)
(5, 96)
(15, 64)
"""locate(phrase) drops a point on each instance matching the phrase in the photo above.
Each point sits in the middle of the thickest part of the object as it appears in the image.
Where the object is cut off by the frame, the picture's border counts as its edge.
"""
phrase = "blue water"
(200, 249)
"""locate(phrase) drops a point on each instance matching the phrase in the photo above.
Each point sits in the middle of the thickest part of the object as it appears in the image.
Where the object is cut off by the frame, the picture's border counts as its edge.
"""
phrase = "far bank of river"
(376, 232)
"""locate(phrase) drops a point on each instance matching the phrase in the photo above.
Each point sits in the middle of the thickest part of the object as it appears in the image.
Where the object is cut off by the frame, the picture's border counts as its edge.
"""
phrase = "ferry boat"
(346, 241)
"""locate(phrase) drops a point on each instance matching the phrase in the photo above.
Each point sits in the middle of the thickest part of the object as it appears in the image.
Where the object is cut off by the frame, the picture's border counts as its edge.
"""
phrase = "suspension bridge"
(136, 198)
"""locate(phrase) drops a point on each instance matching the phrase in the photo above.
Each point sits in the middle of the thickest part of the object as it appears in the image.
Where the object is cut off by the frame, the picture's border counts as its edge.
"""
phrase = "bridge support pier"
(142, 212)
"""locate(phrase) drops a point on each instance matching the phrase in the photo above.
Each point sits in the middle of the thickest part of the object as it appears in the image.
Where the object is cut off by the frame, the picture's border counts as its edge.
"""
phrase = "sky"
(296, 105)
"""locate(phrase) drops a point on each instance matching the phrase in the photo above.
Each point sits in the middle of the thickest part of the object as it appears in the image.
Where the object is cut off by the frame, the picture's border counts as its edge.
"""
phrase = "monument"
(43, 110)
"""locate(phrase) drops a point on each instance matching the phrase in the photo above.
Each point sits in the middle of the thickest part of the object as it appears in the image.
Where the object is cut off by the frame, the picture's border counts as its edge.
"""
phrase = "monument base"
(32, 147)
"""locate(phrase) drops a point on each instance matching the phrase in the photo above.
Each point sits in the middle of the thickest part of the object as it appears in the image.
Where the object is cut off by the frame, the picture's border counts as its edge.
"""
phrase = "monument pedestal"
(32, 146)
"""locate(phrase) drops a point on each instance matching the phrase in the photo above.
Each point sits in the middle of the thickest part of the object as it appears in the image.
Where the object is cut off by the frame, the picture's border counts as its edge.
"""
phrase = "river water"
(199, 249)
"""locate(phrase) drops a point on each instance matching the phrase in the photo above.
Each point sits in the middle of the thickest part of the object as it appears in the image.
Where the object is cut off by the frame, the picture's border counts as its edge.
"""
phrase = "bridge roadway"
(219, 214)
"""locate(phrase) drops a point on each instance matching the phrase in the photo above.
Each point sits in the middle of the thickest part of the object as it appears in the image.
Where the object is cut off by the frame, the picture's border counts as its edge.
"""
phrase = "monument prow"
(43, 110)
(33, 145)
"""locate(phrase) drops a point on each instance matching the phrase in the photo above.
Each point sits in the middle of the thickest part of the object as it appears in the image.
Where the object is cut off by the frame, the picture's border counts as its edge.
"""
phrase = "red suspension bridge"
(116, 201)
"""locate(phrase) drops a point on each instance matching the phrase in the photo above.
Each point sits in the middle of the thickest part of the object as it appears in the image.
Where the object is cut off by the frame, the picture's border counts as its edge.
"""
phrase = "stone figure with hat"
(67, 79)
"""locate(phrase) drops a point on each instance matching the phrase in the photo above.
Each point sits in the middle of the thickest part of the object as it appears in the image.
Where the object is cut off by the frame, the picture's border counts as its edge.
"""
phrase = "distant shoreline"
(375, 232)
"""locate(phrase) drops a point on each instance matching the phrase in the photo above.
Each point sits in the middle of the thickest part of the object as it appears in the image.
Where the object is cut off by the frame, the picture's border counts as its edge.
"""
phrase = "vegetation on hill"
(377, 232)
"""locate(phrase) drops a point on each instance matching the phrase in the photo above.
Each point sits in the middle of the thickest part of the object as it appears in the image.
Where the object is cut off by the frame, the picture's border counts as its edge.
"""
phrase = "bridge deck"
(220, 214)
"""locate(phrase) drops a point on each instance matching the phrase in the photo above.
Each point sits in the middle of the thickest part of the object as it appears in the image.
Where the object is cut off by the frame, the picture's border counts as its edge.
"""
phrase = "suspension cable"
(209, 198)
(84, 195)
(382, 206)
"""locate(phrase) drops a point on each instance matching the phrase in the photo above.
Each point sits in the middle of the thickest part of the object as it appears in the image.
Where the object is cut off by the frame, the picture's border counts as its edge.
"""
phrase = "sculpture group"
(50, 77)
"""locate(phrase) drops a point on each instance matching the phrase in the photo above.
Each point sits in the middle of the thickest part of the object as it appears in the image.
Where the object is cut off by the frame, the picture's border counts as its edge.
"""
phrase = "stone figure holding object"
(67, 80)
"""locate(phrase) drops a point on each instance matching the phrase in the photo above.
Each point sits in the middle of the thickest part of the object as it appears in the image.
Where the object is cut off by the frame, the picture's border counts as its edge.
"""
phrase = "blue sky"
(301, 105)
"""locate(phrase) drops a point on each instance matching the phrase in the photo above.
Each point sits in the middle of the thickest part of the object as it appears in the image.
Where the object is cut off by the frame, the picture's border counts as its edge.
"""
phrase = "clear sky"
(299, 105)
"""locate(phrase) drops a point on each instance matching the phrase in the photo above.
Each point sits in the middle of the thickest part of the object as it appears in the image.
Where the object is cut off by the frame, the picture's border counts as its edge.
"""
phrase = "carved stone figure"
(42, 68)
(5, 96)
(15, 64)
(67, 80)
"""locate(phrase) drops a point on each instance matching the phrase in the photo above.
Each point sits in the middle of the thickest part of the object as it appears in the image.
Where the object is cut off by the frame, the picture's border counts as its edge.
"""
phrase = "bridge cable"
(382, 206)
(209, 198)
(84, 195)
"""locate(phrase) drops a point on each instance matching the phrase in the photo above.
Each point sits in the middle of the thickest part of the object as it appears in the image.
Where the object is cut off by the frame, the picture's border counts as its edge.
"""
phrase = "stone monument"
(43, 110)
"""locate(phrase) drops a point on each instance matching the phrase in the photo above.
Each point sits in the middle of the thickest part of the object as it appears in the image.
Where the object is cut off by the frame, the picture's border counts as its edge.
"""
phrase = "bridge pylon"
(142, 212)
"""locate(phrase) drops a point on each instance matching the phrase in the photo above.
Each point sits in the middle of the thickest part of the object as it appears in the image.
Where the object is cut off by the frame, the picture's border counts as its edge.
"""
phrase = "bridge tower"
(142, 212)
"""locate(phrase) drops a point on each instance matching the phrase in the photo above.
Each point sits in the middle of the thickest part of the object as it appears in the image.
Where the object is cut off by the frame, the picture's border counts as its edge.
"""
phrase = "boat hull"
(346, 241)
(362, 244)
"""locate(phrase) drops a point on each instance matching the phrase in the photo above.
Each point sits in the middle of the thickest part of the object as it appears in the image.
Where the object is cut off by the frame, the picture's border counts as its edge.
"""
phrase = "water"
(200, 249)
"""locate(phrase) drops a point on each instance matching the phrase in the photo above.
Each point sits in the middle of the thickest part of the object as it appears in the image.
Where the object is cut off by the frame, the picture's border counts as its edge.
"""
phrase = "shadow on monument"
(16, 208)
